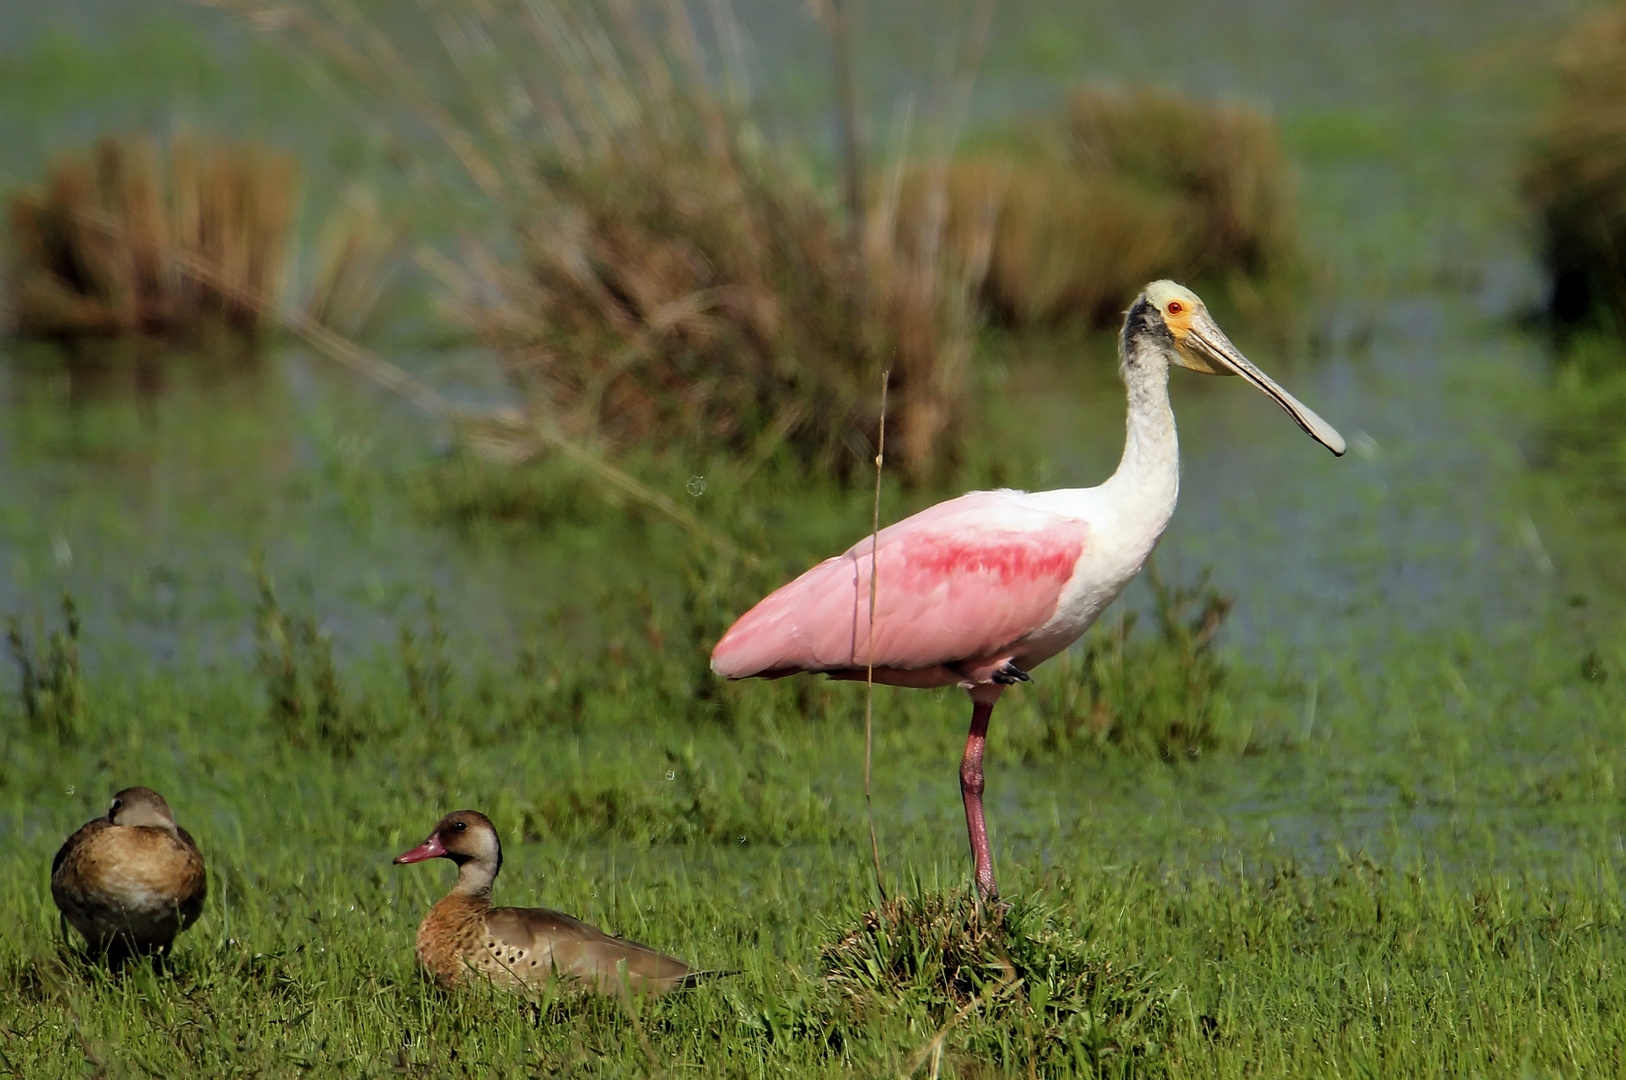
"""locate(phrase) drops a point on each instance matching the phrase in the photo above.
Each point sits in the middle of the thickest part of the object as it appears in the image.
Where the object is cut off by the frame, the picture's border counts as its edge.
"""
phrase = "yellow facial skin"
(1182, 313)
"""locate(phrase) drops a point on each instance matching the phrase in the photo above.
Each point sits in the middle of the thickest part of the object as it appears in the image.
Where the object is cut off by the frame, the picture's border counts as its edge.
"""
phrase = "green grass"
(1397, 857)
(1394, 858)
(1474, 926)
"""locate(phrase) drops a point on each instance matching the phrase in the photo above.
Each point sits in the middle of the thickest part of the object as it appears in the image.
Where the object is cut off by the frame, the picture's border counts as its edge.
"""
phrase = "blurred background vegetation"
(666, 261)
(399, 399)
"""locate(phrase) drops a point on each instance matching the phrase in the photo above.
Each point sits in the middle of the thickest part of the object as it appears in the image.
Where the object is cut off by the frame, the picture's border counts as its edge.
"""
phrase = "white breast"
(1125, 523)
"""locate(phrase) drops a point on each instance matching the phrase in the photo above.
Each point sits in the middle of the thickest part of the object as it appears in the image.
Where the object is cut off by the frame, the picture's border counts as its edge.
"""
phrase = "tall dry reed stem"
(1576, 176)
(226, 206)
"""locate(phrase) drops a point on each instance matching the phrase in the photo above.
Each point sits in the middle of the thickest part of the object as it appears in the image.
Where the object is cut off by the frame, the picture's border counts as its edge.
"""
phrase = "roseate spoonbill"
(464, 937)
(132, 880)
(975, 591)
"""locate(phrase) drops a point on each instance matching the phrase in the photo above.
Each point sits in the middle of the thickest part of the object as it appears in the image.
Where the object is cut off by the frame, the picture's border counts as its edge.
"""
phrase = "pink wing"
(962, 580)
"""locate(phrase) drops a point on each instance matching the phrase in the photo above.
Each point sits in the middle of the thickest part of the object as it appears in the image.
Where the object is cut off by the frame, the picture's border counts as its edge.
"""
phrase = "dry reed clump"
(1220, 163)
(669, 280)
(1061, 245)
(1141, 184)
(1575, 179)
(974, 972)
(132, 240)
(678, 289)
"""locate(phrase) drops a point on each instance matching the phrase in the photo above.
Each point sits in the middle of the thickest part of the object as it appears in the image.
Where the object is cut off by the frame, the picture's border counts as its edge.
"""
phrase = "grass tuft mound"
(1005, 985)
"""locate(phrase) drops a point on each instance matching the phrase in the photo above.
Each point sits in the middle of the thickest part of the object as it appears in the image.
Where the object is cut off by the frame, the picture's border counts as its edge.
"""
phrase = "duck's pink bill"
(431, 848)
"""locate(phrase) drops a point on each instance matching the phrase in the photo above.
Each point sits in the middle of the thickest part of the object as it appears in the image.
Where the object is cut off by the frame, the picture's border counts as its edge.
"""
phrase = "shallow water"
(149, 505)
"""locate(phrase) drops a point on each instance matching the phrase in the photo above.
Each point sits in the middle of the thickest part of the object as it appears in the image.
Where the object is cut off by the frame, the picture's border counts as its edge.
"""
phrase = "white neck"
(1148, 476)
(1124, 517)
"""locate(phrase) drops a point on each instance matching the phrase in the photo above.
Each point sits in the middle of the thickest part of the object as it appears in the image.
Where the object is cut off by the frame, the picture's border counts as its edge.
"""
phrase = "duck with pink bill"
(464, 938)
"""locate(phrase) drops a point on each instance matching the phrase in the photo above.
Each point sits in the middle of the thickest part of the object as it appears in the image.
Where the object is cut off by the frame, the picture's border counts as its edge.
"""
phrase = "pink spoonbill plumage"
(975, 591)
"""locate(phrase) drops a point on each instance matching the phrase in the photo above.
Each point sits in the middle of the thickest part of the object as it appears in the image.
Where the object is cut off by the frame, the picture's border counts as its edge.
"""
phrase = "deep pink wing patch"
(960, 581)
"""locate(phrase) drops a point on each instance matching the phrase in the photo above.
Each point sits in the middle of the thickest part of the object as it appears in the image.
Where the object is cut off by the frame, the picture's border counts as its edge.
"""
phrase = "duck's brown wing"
(536, 943)
(65, 855)
(135, 883)
(193, 881)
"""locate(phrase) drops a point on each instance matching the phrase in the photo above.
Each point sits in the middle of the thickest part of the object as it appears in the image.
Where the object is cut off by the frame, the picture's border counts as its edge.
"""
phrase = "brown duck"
(130, 881)
(463, 936)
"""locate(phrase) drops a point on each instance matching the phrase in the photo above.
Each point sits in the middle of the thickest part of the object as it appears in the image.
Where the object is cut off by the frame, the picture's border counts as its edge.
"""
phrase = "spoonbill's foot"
(1009, 673)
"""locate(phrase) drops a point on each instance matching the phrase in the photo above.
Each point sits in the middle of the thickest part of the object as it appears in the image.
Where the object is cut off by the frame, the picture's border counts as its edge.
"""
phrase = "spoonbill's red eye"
(1176, 307)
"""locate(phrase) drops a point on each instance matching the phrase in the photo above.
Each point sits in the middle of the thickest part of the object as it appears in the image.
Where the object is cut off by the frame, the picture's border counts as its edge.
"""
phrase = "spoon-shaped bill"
(1212, 341)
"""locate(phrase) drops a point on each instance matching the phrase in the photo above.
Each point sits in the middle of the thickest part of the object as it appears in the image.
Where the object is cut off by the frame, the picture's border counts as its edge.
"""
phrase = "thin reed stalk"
(869, 671)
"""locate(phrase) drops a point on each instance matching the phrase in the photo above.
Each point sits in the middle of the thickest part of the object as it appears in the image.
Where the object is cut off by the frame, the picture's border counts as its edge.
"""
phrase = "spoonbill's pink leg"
(971, 786)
